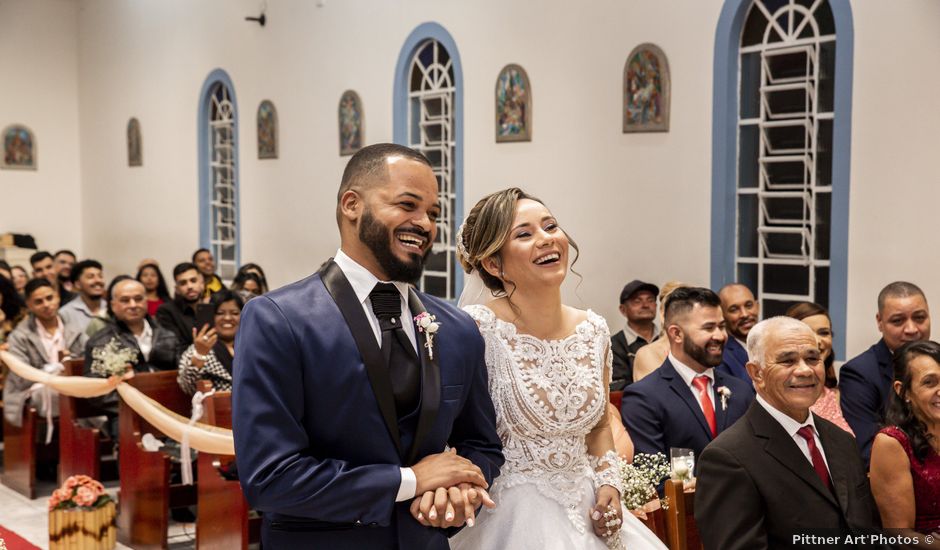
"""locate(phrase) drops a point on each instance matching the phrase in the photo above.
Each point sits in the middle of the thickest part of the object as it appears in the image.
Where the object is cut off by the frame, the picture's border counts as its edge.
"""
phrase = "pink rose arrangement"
(79, 492)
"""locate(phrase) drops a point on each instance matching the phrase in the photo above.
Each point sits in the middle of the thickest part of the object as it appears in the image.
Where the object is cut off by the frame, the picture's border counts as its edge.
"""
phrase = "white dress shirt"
(688, 374)
(362, 282)
(145, 340)
(791, 426)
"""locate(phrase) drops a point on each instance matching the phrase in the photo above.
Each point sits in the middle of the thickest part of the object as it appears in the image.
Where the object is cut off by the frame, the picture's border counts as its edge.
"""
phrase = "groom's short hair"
(368, 167)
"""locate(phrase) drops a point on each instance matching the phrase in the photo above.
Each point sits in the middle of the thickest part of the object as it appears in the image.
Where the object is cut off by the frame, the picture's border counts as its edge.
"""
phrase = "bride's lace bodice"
(549, 395)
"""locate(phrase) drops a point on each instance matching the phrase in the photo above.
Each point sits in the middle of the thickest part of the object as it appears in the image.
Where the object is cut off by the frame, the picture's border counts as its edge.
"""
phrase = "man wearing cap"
(638, 305)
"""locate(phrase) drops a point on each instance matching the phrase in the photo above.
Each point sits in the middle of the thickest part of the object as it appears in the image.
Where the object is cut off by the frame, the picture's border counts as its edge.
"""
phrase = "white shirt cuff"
(409, 484)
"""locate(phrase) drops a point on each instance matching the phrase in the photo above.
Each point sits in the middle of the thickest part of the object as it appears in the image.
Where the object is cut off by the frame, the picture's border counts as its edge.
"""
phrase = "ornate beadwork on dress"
(548, 396)
(607, 471)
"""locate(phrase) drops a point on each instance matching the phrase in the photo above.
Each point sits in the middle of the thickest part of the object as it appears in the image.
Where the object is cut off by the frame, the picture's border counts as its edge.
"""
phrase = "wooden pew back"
(80, 446)
(146, 493)
(681, 530)
(19, 454)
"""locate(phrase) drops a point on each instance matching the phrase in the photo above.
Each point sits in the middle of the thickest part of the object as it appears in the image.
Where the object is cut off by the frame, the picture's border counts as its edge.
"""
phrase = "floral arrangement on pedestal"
(81, 515)
(640, 480)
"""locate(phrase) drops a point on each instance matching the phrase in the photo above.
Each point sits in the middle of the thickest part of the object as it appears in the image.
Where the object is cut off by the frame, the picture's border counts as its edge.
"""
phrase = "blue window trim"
(421, 34)
(724, 155)
(205, 171)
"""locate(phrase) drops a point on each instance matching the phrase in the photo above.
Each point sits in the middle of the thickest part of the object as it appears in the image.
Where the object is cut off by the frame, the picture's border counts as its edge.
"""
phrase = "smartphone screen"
(204, 316)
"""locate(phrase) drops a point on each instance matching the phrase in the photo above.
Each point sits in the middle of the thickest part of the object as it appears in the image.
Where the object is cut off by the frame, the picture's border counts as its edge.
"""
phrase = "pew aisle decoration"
(202, 437)
(81, 516)
(640, 480)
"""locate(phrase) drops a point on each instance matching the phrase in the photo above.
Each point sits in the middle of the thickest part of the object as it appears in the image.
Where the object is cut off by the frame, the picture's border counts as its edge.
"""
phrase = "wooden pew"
(20, 454)
(146, 493)
(223, 513)
(81, 448)
(656, 522)
(681, 531)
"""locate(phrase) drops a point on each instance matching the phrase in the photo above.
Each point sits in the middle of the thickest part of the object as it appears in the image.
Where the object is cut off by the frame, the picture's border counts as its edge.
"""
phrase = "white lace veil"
(474, 291)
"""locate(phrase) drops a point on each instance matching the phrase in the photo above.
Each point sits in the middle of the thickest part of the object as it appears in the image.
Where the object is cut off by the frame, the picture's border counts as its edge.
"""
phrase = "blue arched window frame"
(724, 154)
(217, 76)
(418, 37)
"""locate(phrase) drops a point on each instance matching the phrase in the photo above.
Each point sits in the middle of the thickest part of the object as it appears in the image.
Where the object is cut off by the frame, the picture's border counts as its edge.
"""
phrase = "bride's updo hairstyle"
(486, 230)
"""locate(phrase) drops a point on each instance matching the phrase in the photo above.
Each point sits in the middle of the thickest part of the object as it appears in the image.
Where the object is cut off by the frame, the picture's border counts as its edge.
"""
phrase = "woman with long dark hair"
(817, 317)
(150, 276)
(12, 308)
(905, 464)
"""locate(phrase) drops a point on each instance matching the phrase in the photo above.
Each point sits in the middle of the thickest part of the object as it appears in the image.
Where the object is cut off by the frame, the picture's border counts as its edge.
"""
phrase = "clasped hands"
(449, 490)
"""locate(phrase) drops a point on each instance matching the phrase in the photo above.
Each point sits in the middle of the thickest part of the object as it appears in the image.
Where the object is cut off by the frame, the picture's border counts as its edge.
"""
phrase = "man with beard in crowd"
(64, 260)
(179, 315)
(741, 311)
(341, 407)
(686, 402)
(88, 279)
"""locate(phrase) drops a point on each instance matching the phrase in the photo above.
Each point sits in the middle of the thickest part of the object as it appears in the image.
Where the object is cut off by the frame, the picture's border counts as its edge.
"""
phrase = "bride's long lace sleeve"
(600, 440)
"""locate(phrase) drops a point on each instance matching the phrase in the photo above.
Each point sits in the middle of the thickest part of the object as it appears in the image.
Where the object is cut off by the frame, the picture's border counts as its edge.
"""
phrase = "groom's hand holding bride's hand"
(446, 469)
(450, 507)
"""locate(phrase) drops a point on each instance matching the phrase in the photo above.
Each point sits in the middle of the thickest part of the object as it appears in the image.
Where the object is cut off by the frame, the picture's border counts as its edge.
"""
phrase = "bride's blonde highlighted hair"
(486, 230)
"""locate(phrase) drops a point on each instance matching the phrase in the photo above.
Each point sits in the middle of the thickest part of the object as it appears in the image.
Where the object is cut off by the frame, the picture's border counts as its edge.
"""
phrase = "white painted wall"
(638, 204)
(39, 89)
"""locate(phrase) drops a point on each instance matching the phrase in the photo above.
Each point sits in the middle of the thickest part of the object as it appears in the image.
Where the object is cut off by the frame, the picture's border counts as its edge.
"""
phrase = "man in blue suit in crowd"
(865, 381)
(741, 311)
(686, 402)
(342, 405)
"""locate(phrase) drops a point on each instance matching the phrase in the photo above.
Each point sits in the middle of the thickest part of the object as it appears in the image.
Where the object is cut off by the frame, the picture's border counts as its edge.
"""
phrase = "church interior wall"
(637, 204)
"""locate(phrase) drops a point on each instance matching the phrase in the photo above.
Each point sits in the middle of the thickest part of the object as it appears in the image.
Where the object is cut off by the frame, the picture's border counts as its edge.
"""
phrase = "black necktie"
(400, 358)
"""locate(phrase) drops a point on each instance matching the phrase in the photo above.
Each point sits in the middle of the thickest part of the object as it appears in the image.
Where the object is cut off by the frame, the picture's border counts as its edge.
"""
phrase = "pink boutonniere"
(725, 394)
(428, 324)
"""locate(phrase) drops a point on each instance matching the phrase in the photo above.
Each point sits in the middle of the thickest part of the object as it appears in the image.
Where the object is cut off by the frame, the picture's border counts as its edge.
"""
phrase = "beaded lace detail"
(549, 395)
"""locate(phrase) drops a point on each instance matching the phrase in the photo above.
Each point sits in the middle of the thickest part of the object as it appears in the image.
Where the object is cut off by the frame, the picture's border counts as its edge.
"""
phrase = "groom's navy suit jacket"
(317, 439)
(660, 411)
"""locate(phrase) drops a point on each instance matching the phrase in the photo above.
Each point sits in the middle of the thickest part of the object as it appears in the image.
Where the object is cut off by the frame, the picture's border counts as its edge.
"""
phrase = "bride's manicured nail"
(420, 515)
(469, 522)
(449, 516)
(432, 514)
(596, 515)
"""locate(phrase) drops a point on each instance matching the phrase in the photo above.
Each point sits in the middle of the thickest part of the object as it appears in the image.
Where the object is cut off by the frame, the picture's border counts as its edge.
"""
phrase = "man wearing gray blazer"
(38, 340)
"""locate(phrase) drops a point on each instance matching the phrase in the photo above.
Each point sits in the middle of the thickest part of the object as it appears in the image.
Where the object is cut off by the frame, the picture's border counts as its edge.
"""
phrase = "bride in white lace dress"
(549, 369)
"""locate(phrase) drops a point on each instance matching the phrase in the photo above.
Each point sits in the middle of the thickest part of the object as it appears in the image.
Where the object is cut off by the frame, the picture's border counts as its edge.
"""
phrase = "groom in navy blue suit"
(342, 405)
(686, 402)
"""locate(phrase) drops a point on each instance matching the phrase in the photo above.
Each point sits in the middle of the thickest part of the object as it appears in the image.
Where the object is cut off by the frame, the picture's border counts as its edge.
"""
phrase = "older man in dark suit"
(781, 472)
(686, 402)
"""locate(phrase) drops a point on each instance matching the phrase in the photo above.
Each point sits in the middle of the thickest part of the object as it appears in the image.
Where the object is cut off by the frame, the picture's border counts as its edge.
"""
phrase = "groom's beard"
(376, 237)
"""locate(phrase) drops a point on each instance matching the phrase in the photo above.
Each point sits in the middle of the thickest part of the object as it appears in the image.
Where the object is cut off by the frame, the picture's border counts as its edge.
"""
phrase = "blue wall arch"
(724, 154)
(217, 76)
(421, 34)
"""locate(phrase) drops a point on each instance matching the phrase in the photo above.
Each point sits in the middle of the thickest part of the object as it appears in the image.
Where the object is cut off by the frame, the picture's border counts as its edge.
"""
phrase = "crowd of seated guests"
(68, 309)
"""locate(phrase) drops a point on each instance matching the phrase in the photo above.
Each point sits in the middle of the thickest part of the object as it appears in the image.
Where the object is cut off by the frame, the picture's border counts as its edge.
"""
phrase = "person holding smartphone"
(212, 352)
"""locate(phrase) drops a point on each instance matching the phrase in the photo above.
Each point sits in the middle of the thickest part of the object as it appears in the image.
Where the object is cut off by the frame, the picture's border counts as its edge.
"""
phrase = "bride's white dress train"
(549, 395)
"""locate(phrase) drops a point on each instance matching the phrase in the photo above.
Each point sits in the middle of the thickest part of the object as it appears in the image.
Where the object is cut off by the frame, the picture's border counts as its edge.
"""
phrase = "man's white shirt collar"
(631, 334)
(688, 373)
(790, 425)
(361, 279)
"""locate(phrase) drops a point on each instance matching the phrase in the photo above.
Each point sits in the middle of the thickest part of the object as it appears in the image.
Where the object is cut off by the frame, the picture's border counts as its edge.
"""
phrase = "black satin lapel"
(430, 383)
(345, 298)
(683, 391)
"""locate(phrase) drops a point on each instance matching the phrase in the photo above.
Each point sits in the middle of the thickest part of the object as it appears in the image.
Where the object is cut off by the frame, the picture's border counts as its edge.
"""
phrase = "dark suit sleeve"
(643, 421)
(474, 431)
(728, 509)
(622, 369)
(861, 406)
(276, 468)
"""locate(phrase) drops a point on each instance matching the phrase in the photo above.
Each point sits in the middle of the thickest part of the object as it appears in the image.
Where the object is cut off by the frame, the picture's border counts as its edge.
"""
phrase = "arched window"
(218, 181)
(782, 199)
(428, 118)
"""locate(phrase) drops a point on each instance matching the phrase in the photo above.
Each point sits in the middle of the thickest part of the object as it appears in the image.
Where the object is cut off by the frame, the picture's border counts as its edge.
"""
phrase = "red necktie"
(806, 432)
(701, 384)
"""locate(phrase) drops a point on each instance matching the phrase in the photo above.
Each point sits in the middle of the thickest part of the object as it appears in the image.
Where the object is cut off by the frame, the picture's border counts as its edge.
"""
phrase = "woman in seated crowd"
(905, 464)
(817, 317)
(12, 308)
(211, 355)
(248, 285)
(157, 292)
